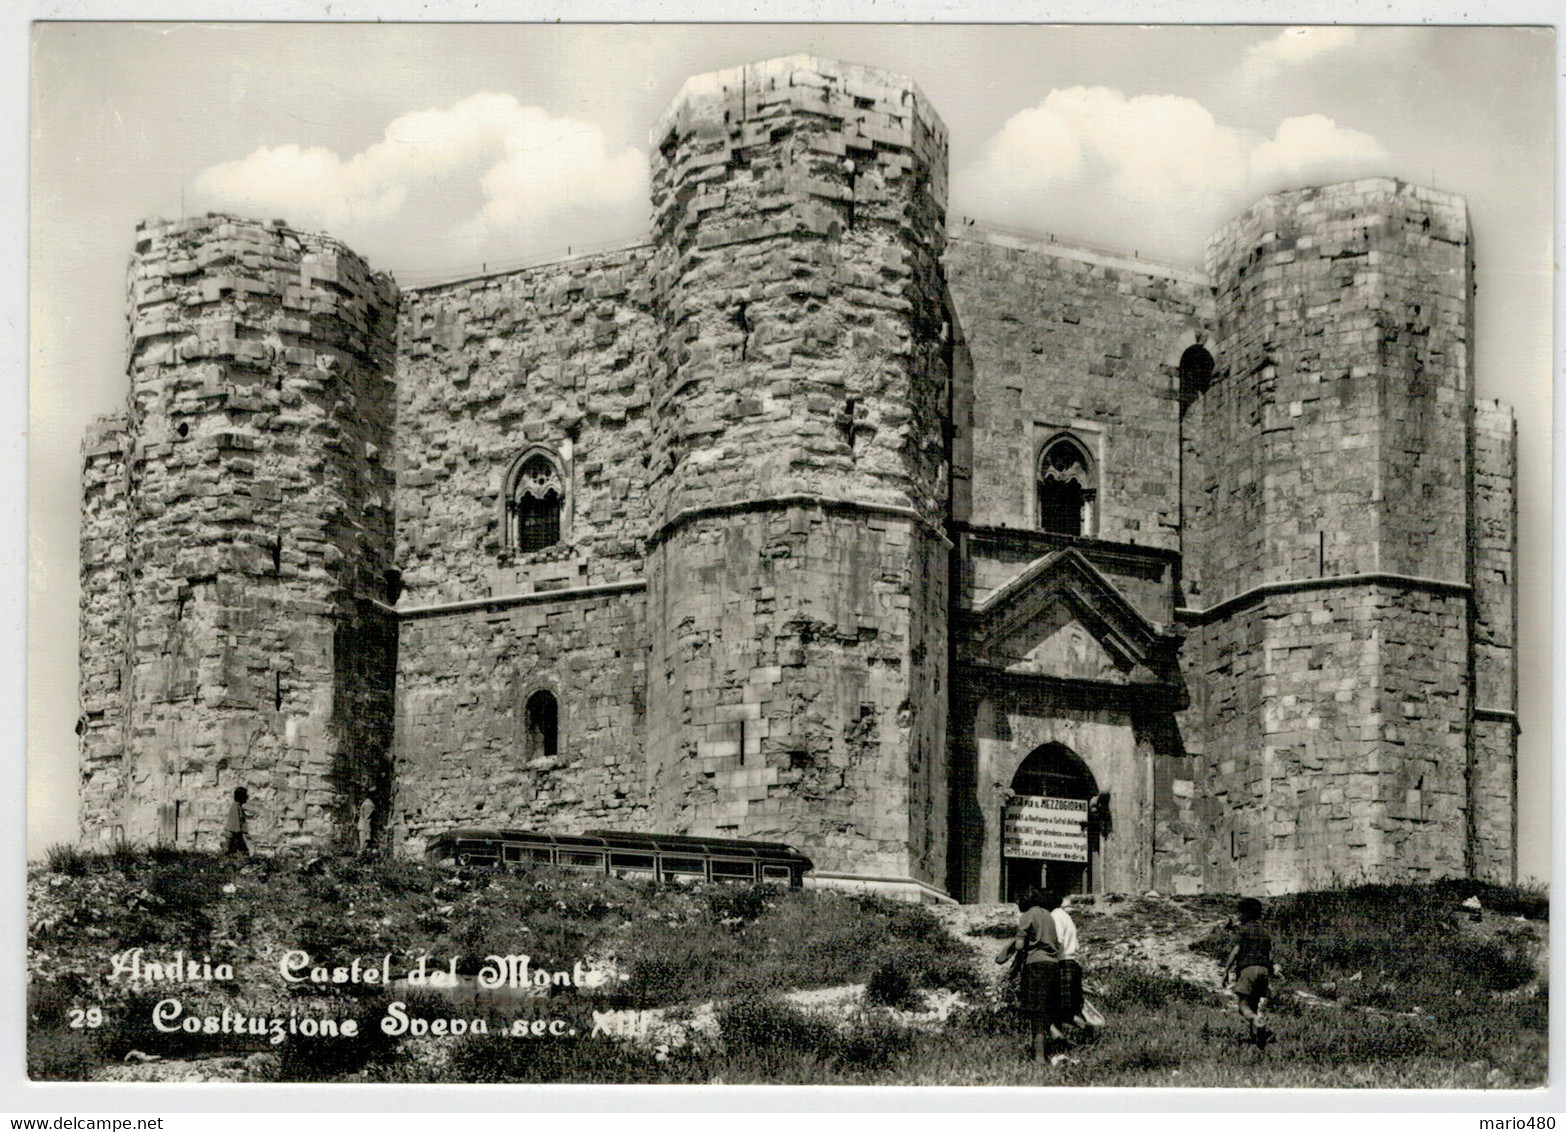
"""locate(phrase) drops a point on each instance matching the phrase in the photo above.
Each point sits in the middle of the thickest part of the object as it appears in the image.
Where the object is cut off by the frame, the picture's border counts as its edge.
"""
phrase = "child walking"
(1251, 961)
(1070, 970)
(1037, 947)
(237, 824)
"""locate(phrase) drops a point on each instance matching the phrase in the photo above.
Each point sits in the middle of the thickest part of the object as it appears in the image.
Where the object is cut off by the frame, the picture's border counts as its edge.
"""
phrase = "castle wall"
(258, 533)
(1493, 566)
(771, 423)
(463, 678)
(799, 216)
(557, 356)
(1333, 441)
(1063, 339)
(828, 719)
(104, 623)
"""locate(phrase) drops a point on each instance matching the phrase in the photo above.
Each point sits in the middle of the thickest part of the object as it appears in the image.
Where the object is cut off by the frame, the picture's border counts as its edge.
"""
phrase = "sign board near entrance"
(1049, 829)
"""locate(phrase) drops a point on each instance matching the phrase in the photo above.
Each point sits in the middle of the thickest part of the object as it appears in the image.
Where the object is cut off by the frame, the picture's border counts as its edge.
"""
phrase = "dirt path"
(1151, 933)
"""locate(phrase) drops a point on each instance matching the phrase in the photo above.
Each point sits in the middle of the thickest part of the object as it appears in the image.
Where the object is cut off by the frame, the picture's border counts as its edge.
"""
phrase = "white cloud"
(528, 165)
(1291, 47)
(1153, 147)
(1311, 142)
(1130, 172)
(556, 162)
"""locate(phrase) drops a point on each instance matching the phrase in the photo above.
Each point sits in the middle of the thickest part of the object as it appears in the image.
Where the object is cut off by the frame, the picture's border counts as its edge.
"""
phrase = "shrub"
(740, 902)
(55, 1052)
(67, 860)
(496, 1059)
(325, 1059)
(397, 876)
(890, 985)
(1530, 901)
(768, 1038)
(1492, 965)
(130, 1027)
(1124, 987)
(61, 1055)
(954, 973)
(1141, 1057)
(768, 1024)
(123, 859)
(871, 1044)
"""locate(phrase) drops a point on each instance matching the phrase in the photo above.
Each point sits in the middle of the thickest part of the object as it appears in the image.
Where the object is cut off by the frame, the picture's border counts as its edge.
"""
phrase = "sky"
(438, 150)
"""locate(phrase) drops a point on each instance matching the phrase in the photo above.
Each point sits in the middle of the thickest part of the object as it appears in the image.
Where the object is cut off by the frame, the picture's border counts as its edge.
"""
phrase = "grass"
(1387, 987)
(1395, 948)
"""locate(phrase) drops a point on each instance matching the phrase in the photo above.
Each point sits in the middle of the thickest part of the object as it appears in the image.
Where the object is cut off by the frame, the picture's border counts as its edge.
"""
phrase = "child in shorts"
(1251, 962)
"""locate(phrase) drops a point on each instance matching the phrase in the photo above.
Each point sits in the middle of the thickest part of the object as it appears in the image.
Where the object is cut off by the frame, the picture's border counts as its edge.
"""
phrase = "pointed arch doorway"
(1056, 773)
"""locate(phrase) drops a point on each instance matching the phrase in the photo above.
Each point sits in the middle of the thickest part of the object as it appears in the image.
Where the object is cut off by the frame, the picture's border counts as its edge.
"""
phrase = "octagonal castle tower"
(236, 541)
(797, 576)
(1349, 533)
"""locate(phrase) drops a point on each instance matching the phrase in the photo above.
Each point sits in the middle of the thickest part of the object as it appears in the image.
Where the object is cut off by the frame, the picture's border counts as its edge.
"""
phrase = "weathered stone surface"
(236, 543)
(793, 586)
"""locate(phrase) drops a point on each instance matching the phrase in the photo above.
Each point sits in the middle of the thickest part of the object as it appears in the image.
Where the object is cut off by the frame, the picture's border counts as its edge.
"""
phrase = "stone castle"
(811, 520)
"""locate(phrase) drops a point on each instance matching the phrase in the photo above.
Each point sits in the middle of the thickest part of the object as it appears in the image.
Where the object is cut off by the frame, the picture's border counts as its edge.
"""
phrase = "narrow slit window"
(1196, 374)
(543, 725)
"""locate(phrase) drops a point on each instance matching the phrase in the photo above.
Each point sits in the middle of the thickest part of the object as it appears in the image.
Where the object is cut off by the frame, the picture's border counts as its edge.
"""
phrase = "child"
(366, 818)
(236, 825)
(1251, 961)
(1070, 969)
(1037, 949)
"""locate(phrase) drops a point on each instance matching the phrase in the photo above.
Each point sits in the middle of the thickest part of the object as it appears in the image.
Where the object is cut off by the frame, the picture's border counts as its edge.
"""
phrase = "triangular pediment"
(1061, 617)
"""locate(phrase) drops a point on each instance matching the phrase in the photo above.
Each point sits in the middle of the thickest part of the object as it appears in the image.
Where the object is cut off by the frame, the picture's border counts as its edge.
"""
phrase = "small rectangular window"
(683, 869)
(733, 870)
(777, 874)
(579, 859)
(635, 865)
(477, 853)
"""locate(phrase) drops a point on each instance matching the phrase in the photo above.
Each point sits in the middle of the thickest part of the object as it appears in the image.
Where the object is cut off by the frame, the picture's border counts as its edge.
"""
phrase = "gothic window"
(535, 501)
(1066, 490)
(543, 725)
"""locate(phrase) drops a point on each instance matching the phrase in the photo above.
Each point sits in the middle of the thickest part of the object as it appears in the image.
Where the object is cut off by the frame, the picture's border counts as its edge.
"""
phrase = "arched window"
(1054, 771)
(543, 725)
(535, 501)
(1066, 488)
(1196, 373)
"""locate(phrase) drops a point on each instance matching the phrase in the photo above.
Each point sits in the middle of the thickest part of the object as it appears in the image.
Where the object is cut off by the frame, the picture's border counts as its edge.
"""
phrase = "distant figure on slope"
(1037, 947)
(238, 824)
(1251, 961)
(1070, 1000)
(366, 817)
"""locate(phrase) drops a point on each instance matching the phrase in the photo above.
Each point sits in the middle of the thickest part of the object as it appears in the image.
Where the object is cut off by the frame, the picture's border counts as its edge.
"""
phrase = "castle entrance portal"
(1047, 838)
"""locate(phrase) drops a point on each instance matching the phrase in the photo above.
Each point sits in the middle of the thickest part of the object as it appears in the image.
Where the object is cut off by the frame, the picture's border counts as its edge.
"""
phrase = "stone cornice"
(1132, 696)
(777, 502)
(1303, 585)
(504, 601)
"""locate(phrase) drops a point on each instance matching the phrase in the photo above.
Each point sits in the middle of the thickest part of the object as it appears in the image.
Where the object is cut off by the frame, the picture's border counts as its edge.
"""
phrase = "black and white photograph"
(835, 555)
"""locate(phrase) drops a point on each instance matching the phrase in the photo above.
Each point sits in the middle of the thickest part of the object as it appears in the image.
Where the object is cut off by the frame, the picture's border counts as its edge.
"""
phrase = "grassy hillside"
(1381, 987)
